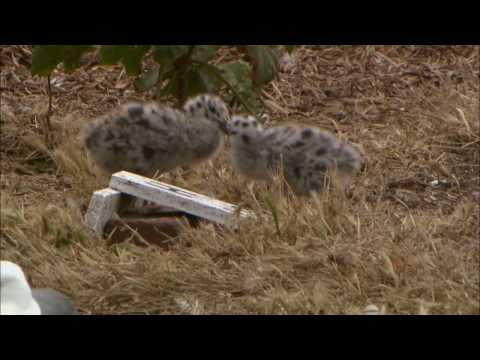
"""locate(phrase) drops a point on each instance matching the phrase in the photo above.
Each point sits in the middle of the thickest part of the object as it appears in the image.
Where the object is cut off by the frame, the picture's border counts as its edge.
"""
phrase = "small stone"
(476, 196)
(344, 260)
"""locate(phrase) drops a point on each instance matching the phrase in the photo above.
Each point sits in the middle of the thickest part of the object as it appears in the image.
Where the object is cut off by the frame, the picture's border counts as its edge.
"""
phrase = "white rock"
(17, 298)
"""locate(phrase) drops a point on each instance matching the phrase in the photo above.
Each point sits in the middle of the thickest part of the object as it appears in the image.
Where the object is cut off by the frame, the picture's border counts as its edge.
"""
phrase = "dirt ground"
(405, 238)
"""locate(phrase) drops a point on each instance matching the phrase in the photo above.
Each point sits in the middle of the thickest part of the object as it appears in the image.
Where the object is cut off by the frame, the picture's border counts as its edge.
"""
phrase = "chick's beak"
(224, 127)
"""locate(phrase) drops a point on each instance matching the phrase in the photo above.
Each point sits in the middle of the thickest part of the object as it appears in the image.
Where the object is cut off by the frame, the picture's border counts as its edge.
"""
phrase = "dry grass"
(396, 241)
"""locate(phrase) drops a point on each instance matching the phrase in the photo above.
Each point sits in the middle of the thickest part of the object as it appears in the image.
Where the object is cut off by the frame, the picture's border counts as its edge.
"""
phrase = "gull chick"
(145, 138)
(307, 155)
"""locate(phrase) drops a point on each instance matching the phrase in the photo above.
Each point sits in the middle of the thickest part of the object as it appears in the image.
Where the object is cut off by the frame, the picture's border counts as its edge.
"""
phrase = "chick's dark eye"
(212, 108)
(236, 123)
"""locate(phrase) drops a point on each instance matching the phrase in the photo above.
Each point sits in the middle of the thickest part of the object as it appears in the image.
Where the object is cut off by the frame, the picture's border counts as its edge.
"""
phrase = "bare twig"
(49, 112)
(49, 90)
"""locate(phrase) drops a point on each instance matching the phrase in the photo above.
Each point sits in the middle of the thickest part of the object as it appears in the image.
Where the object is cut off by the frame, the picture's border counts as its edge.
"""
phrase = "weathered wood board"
(105, 202)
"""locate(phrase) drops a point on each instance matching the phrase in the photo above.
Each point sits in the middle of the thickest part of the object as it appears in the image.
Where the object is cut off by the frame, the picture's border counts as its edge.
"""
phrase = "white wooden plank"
(103, 205)
(168, 195)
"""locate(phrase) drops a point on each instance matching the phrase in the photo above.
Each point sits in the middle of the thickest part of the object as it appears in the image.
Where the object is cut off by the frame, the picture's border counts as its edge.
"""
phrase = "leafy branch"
(217, 73)
(180, 70)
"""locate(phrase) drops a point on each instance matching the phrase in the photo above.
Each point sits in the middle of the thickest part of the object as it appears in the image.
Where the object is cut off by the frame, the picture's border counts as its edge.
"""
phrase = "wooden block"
(164, 194)
(103, 205)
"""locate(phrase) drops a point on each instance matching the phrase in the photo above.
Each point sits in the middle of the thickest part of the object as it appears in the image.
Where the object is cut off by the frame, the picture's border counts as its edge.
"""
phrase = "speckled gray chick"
(306, 154)
(145, 138)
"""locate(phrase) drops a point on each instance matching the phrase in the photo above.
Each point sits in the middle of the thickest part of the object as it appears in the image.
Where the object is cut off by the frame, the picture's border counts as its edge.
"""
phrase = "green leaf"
(131, 56)
(132, 60)
(289, 48)
(238, 74)
(166, 55)
(204, 53)
(111, 54)
(200, 81)
(45, 58)
(177, 61)
(148, 79)
(265, 64)
(73, 55)
(170, 88)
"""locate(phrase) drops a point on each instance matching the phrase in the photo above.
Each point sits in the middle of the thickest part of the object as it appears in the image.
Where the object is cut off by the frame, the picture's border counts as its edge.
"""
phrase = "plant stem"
(49, 91)
(271, 206)
(183, 63)
(49, 112)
